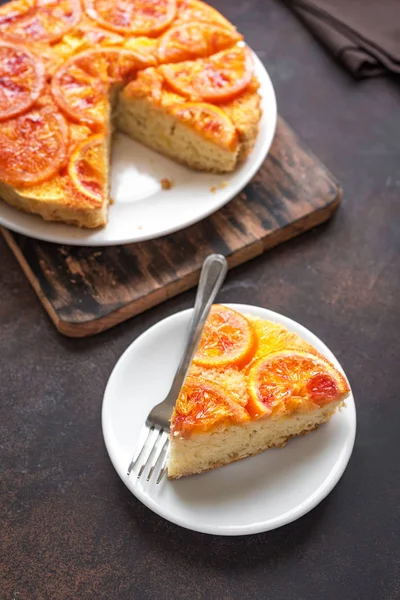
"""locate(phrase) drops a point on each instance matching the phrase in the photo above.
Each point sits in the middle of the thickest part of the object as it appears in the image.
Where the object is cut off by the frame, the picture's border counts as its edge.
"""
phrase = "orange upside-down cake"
(172, 74)
(252, 385)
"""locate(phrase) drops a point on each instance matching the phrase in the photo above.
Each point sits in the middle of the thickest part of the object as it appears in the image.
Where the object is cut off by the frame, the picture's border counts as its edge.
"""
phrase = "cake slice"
(252, 385)
(203, 113)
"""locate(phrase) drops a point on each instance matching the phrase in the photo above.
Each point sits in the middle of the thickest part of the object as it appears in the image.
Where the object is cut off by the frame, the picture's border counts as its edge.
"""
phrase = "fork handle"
(212, 276)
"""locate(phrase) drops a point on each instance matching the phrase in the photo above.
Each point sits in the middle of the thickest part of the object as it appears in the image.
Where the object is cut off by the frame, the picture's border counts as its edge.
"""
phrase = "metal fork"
(153, 443)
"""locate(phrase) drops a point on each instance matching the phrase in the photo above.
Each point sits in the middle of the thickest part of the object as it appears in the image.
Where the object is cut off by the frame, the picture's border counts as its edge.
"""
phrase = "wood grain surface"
(88, 290)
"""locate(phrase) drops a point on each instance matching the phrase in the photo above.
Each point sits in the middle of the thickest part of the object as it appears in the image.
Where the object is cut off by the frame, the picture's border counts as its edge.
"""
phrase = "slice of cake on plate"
(252, 385)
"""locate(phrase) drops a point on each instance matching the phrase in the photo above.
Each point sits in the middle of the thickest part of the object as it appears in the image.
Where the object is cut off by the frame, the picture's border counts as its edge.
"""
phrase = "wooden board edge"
(95, 326)
(15, 249)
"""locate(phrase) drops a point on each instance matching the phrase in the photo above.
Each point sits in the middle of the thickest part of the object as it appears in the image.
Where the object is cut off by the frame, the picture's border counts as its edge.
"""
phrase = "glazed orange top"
(247, 368)
(58, 59)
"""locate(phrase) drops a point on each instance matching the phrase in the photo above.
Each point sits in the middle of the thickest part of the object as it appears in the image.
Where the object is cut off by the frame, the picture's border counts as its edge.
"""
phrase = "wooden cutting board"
(88, 290)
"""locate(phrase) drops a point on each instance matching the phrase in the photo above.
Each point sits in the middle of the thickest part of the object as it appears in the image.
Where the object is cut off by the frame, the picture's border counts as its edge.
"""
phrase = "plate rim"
(48, 234)
(300, 510)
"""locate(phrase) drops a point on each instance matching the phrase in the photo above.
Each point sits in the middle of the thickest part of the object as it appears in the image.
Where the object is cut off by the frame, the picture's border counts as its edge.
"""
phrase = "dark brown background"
(70, 527)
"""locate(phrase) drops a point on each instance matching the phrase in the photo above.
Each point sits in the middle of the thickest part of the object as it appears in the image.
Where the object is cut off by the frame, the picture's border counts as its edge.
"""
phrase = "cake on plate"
(173, 74)
(252, 385)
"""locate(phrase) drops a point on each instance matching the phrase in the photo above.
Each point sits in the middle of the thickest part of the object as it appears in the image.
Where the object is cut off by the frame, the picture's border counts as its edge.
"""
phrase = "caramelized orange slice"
(32, 146)
(21, 80)
(274, 337)
(203, 404)
(194, 10)
(286, 381)
(38, 20)
(87, 168)
(228, 339)
(210, 121)
(80, 86)
(134, 17)
(216, 79)
(195, 40)
(84, 36)
(46, 55)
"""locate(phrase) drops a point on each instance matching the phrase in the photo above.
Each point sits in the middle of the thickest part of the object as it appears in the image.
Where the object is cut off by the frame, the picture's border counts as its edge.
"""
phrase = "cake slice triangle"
(252, 385)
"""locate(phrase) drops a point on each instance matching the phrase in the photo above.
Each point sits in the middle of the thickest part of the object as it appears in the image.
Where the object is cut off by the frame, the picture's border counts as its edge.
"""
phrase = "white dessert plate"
(142, 210)
(256, 494)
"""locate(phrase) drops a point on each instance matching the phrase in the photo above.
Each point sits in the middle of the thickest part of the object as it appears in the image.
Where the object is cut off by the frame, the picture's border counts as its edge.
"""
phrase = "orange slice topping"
(286, 381)
(144, 47)
(210, 121)
(39, 20)
(228, 339)
(194, 10)
(32, 146)
(87, 168)
(274, 337)
(195, 40)
(21, 80)
(216, 79)
(84, 36)
(203, 404)
(80, 86)
(134, 17)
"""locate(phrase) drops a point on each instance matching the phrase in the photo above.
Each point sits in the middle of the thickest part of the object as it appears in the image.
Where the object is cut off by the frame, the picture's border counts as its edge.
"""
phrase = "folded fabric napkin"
(363, 34)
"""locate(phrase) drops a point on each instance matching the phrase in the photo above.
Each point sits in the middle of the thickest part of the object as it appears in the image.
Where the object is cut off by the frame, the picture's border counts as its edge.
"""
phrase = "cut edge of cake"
(58, 200)
(147, 117)
(67, 209)
(234, 442)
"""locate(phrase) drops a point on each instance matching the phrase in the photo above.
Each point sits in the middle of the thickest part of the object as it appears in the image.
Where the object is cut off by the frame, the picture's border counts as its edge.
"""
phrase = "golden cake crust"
(242, 112)
(276, 444)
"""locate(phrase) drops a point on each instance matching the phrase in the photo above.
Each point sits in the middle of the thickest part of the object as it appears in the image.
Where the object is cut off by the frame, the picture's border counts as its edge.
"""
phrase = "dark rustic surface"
(70, 529)
(89, 290)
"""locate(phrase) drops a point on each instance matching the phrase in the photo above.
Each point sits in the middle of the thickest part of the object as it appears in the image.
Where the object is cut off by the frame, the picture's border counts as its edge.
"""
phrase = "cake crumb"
(219, 186)
(166, 183)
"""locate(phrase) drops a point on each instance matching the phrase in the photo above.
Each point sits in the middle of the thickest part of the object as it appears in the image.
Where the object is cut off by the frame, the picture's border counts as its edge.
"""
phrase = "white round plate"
(142, 210)
(253, 495)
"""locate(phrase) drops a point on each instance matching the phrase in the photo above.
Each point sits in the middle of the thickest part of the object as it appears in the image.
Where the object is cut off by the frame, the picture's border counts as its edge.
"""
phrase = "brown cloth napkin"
(363, 34)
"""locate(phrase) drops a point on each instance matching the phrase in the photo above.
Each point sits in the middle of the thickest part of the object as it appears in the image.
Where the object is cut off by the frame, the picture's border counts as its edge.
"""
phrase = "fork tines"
(151, 449)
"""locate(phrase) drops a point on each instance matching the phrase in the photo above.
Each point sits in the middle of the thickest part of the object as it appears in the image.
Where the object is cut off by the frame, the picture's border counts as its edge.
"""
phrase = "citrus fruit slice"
(80, 87)
(210, 121)
(228, 339)
(274, 337)
(285, 381)
(21, 80)
(216, 79)
(145, 48)
(194, 10)
(87, 168)
(134, 17)
(195, 40)
(203, 404)
(38, 20)
(32, 146)
(84, 36)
